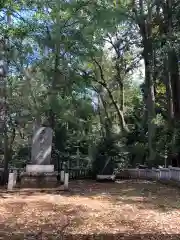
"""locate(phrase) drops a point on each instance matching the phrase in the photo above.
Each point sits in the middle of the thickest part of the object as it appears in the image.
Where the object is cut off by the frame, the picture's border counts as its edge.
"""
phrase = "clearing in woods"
(119, 210)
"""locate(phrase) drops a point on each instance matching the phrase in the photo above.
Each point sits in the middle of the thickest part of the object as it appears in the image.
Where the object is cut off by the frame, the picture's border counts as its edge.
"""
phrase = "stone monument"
(40, 173)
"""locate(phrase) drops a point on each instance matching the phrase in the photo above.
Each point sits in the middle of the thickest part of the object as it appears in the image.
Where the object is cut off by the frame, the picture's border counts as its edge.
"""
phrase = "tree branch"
(119, 112)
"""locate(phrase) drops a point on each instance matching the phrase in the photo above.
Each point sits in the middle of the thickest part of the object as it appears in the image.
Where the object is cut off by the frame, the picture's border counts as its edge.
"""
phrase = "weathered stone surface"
(15, 177)
(11, 181)
(105, 177)
(40, 168)
(42, 146)
(38, 180)
(66, 181)
(62, 176)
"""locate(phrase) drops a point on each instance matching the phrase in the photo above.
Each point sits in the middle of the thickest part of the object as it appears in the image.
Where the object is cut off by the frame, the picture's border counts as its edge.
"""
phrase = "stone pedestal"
(39, 176)
(38, 180)
(106, 177)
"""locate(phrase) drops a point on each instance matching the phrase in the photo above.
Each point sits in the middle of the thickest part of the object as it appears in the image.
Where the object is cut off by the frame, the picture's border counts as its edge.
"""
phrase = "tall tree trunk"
(3, 108)
(173, 87)
(175, 82)
(145, 24)
(164, 20)
(121, 87)
(4, 58)
(7, 154)
(150, 104)
(102, 132)
(103, 104)
(51, 114)
(167, 80)
(169, 90)
(149, 84)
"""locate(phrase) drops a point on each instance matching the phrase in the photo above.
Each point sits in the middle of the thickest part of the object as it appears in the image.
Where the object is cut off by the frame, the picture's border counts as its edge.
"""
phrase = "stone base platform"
(38, 180)
(106, 178)
(39, 168)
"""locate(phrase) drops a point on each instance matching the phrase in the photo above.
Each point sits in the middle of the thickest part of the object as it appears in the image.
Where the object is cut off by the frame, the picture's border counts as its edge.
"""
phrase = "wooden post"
(169, 173)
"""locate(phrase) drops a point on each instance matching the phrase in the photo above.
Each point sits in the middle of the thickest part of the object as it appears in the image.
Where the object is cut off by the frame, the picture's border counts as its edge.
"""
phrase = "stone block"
(40, 168)
(66, 181)
(15, 177)
(106, 177)
(62, 176)
(38, 180)
(10, 181)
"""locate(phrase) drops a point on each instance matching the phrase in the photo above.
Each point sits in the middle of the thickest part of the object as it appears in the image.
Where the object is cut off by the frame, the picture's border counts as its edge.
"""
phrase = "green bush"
(104, 160)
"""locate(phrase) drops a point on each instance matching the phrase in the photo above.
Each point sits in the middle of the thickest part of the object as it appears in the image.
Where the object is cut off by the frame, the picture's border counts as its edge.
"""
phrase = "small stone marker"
(62, 176)
(15, 178)
(66, 181)
(10, 181)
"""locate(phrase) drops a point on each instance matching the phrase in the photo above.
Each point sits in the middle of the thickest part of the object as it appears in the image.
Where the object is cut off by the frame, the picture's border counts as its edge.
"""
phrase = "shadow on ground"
(121, 236)
(163, 198)
(38, 219)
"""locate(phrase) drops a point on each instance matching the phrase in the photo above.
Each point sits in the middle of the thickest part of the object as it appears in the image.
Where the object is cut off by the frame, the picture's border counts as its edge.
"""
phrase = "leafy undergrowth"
(121, 210)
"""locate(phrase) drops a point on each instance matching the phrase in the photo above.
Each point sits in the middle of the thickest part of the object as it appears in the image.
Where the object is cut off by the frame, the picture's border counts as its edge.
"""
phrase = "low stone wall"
(166, 175)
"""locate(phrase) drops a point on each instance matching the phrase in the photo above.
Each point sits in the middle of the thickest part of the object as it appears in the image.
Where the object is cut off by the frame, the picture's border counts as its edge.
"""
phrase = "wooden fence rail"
(170, 173)
(79, 173)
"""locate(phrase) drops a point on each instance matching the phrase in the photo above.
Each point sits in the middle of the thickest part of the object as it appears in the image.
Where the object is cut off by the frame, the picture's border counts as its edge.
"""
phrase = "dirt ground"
(90, 210)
